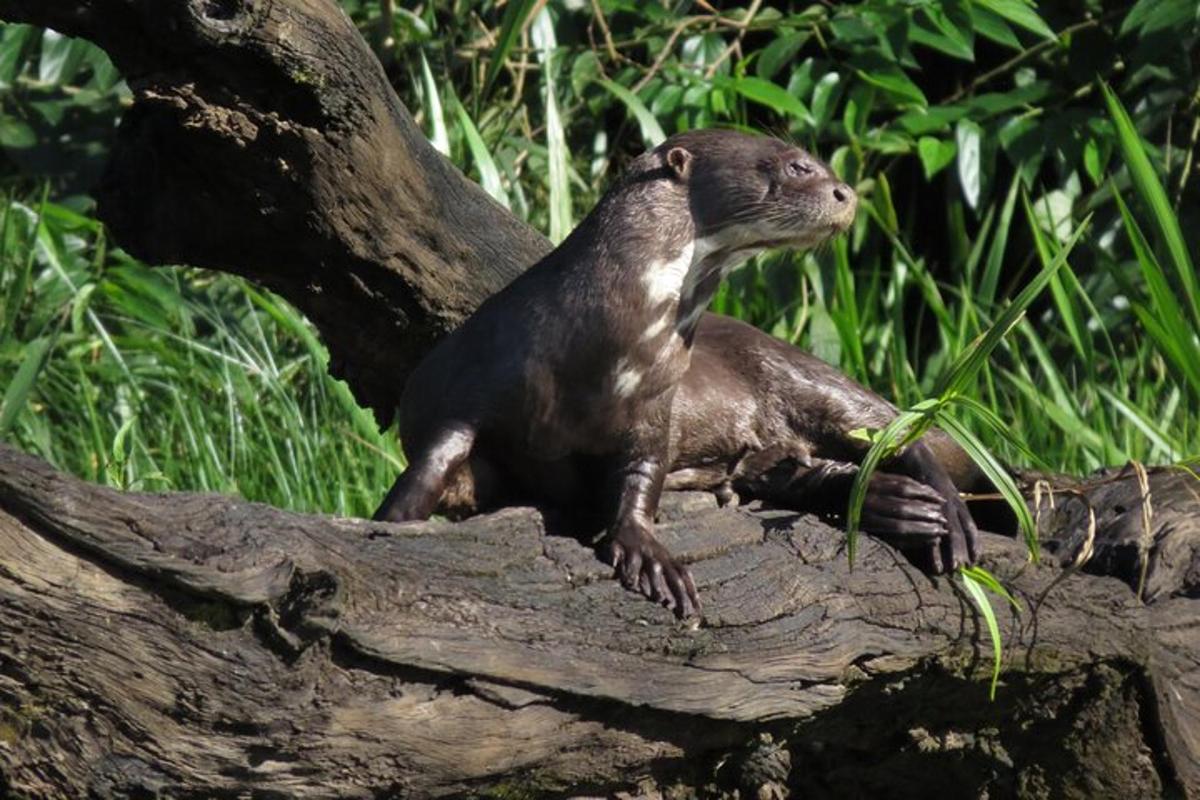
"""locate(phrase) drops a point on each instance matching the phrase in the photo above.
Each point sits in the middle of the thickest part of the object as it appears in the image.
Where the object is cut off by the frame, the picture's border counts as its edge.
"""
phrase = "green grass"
(156, 379)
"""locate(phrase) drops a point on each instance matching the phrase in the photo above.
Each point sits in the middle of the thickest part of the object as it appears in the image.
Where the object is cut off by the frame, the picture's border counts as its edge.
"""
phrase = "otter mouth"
(814, 236)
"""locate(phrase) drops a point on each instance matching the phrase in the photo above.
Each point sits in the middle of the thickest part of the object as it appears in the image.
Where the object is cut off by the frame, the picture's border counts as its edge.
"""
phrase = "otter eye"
(798, 168)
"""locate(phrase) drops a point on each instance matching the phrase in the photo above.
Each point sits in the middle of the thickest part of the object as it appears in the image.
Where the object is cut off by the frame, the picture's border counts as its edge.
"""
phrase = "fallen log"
(199, 645)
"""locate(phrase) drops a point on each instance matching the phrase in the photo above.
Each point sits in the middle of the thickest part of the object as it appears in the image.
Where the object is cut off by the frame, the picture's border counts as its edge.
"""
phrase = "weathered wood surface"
(198, 645)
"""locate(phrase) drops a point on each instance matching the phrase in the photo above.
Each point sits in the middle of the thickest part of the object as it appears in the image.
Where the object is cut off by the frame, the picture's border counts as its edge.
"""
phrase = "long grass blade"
(1151, 191)
(516, 17)
(975, 590)
(968, 364)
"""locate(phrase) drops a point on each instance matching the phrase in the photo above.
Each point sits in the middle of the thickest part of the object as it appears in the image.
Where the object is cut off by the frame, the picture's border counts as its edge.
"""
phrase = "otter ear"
(680, 162)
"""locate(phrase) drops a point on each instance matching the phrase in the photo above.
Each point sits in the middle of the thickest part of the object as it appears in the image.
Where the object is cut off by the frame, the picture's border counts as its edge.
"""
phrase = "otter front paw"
(960, 546)
(904, 511)
(644, 565)
(933, 528)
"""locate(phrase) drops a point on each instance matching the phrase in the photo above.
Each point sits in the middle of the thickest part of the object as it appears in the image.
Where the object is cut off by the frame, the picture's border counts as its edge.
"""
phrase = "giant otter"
(563, 384)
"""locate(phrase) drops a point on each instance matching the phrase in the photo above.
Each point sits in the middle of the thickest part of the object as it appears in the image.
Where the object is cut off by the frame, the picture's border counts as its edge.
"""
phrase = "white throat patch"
(676, 277)
(664, 279)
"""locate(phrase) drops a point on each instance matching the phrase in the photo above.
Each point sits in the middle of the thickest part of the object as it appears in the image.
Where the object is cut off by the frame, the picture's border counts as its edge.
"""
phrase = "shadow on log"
(198, 646)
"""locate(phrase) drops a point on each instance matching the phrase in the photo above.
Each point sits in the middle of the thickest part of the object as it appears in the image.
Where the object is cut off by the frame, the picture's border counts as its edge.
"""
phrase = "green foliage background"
(977, 132)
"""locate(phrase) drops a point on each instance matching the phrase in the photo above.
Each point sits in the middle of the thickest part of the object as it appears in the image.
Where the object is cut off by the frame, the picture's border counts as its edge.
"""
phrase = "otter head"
(745, 194)
(749, 193)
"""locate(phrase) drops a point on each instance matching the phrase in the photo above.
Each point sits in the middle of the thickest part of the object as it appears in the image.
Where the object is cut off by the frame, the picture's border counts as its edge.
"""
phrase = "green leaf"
(885, 75)
(940, 42)
(1024, 141)
(823, 99)
(586, 69)
(995, 260)
(779, 53)
(652, 132)
(906, 427)
(990, 104)
(884, 205)
(438, 136)
(1164, 319)
(968, 134)
(489, 176)
(1020, 13)
(1092, 162)
(771, 95)
(996, 473)
(666, 101)
(992, 584)
(955, 33)
(1148, 16)
(22, 383)
(557, 154)
(79, 306)
(935, 154)
(120, 450)
(1053, 210)
(60, 57)
(15, 40)
(931, 120)
(991, 26)
(16, 133)
(104, 73)
(975, 590)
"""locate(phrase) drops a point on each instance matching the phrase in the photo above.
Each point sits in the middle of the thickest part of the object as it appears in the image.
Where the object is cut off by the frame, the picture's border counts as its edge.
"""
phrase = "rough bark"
(193, 645)
(197, 645)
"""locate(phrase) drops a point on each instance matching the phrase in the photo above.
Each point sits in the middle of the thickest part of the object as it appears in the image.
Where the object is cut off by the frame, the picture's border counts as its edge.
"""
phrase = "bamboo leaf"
(438, 135)
(22, 383)
(1021, 13)
(489, 176)
(652, 132)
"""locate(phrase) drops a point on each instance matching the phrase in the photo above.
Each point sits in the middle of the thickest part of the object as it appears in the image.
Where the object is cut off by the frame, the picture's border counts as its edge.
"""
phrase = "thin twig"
(662, 54)
(1190, 157)
(598, 15)
(521, 71)
(737, 39)
(1147, 537)
(1024, 55)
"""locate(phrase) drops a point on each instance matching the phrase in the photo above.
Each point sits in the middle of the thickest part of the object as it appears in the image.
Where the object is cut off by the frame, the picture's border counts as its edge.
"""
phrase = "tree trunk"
(197, 646)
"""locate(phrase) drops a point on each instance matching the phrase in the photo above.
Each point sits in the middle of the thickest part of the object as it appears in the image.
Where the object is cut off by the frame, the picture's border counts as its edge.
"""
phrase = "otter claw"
(643, 565)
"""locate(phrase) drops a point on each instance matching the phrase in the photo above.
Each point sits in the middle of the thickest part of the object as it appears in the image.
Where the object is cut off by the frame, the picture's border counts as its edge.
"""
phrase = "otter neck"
(687, 278)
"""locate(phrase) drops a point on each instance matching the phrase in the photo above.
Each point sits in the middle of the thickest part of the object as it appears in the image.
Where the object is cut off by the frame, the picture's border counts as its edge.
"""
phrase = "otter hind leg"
(416, 493)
